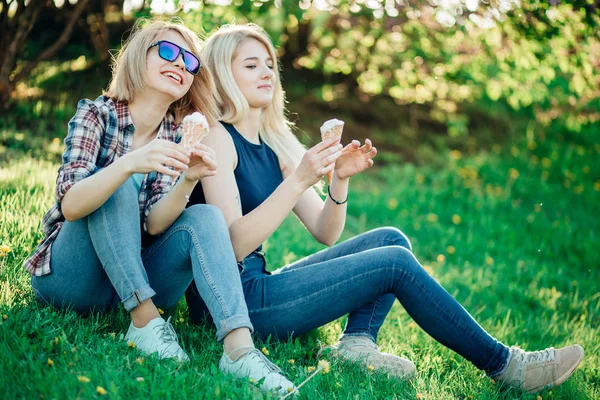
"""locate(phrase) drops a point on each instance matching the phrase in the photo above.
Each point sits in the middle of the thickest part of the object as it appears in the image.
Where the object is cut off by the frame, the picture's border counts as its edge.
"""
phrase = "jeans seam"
(373, 315)
(205, 273)
(295, 301)
(113, 250)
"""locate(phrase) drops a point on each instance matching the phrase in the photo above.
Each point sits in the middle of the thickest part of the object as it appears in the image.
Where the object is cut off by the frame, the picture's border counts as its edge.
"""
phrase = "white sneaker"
(157, 337)
(258, 370)
(363, 350)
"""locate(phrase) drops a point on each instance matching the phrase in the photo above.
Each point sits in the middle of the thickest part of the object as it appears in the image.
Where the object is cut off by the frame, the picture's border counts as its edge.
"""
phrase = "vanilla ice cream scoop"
(195, 129)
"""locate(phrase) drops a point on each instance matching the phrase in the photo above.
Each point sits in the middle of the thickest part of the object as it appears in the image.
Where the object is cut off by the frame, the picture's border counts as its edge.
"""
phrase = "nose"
(267, 73)
(179, 61)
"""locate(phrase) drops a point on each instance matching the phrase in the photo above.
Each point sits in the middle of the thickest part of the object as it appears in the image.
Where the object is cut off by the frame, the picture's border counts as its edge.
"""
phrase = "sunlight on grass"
(502, 234)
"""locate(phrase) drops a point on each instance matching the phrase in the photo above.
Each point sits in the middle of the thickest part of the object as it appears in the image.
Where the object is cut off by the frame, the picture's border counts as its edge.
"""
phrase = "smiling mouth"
(173, 76)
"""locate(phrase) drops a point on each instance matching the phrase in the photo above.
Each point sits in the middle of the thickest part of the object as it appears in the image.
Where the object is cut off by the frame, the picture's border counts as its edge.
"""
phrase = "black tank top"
(257, 173)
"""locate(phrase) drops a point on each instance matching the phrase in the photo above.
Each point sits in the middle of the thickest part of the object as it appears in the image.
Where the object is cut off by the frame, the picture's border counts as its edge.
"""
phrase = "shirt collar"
(124, 116)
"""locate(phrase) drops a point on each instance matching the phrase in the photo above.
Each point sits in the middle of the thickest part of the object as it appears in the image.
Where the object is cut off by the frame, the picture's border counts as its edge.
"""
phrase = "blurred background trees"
(441, 72)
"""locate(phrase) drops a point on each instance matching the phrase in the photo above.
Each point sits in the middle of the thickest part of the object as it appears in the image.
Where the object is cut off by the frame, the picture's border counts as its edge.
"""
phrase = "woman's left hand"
(355, 159)
(203, 163)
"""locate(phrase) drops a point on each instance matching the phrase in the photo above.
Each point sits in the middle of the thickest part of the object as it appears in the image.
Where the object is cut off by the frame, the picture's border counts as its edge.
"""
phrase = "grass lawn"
(512, 233)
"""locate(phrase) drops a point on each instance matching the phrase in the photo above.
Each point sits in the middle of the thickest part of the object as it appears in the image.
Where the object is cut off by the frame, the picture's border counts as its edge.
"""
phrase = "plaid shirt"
(101, 131)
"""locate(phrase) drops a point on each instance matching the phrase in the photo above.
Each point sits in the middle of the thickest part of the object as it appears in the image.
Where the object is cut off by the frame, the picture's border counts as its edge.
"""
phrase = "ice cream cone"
(332, 128)
(195, 129)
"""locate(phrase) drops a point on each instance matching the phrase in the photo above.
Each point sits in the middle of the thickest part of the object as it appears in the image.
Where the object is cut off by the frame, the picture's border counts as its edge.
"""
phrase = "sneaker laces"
(264, 360)
(166, 332)
(540, 356)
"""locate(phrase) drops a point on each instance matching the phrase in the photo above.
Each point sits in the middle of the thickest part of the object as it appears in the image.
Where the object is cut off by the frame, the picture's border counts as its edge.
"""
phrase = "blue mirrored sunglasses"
(170, 51)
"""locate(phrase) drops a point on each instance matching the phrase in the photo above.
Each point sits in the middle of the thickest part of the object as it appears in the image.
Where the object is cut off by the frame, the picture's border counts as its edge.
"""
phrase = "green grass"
(512, 233)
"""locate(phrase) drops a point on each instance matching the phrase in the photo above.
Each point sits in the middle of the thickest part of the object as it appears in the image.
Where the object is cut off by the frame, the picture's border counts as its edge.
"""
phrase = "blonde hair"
(221, 47)
(129, 70)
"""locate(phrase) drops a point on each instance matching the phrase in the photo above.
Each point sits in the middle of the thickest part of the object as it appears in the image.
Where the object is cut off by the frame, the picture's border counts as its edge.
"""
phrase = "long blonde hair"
(129, 70)
(220, 49)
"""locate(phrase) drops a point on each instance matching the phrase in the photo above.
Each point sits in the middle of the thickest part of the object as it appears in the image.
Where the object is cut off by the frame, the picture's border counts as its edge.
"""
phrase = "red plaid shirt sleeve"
(82, 146)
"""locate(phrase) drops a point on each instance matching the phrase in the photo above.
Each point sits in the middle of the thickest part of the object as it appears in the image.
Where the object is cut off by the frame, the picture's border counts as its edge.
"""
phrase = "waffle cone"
(336, 132)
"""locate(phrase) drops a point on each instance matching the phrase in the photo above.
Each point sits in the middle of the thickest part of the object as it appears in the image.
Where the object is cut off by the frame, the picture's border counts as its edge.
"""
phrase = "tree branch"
(60, 42)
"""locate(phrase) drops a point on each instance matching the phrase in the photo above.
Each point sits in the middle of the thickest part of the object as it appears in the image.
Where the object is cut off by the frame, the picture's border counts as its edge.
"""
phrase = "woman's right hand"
(318, 161)
(158, 155)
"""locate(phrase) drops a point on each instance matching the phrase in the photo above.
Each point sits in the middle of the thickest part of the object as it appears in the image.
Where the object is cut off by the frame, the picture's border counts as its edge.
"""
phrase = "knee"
(204, 216)
(395, 237)
(401, 259)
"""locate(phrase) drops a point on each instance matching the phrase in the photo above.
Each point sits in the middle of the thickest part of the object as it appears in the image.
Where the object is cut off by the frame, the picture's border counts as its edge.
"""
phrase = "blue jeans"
(360, 277)
(98, 260)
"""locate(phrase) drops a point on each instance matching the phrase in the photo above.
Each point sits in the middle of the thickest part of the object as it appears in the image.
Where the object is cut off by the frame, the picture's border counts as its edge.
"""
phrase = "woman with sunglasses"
(123, 173)
(264, 173)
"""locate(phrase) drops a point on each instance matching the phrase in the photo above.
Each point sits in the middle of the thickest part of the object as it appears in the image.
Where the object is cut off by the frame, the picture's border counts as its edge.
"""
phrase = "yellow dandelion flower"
(180, 320)
(252, 381)
(470, 397)
(432, 218)
(56, 340)
(546, 163)
(5, 249)
(265, 351)
(419, 396)
(370, 368)
(538, 398)
(290, 390)
(291, 361)
(83, 379)
(100, 390)
(56, 140)
(441, 258)
(597, 186)
(489, 260)
(131, 344)
(325, 366)
(455, 155)
(392, 204)
(311, 369)
(493, 381)
(578, 189)
(514, 151)
(514, 174)
(140, 379)
(160, 311)
(140, 360)
(531, 145)
(451, 249)
(4, 317)
(456, 219)
(50, 362)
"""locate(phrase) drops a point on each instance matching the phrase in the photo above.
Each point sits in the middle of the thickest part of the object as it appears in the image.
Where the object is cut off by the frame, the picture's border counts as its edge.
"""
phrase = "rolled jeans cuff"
(359, 334)
(225, 326)
(138, 297)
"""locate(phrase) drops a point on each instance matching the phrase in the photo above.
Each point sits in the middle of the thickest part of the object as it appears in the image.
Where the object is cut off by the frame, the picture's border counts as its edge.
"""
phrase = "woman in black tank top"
(264, 173)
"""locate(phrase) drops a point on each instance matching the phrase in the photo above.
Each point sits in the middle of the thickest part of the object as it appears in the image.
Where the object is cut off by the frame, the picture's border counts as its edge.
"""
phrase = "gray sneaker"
(157, 337)
(258, 370)
(533, 371)
(363, 350)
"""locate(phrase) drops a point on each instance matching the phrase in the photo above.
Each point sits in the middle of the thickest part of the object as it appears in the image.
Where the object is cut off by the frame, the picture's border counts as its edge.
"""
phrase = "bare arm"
(325, 220)
(89, 194)
(249, 231)
(169, 207)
